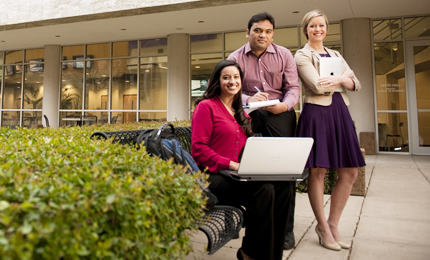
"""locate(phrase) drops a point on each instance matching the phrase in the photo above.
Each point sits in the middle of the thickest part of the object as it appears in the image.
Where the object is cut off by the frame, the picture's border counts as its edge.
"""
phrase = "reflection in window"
(151, 47)
(152, 116)
(100, 50)
(124, 49)
(32, 119)
(234, 41)
(72, 51)
(387, 29)
(124, 84)
(11, 119)
(1, 82)
(201, 70)
(97, 84)
(286, 37)
(206, 42)
(390, 76)
(417, 27)
(33, 86)
(71, 87)
(153, 83)
(12, 88)
(422, 79)
(424, 129)
(393, 132)
(36, 54)
(14, 57)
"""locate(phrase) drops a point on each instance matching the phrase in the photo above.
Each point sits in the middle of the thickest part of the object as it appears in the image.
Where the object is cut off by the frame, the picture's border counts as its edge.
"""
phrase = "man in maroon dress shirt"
(270, 73)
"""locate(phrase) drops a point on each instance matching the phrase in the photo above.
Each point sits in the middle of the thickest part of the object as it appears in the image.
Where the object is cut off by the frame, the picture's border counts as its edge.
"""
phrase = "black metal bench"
(219, 224)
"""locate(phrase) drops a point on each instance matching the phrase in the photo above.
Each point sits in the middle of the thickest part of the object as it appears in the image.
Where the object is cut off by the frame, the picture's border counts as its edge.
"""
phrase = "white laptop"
(272, 159)
(331, 66)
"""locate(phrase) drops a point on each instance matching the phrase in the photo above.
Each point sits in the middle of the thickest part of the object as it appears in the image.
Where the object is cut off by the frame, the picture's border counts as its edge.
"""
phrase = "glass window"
(32, 55)
(387, 30)
(417, 27)
(12, 88)
(390, 76)
(152, 47)
(71, 87)
(153, 83)
(33, 87)
(10, 119)
(69, 52)
(393, 132)
(32, 119)
(152, 116)
(333, 34)
(93, 118)
(206, 42)
(201, 70)
(14, 57)
(97, 84)
(422, 78)
(97, 51)
(1, 57)
(234, 41)
(124, 85)
(70, 118)
(286, 37)
(124, 49)
(1, 82)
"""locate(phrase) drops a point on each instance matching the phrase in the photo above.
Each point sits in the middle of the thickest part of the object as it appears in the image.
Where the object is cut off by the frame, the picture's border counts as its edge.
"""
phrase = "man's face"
(260, 36)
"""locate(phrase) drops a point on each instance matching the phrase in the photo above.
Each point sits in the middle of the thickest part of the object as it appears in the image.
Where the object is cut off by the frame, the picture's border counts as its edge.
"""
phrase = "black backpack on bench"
(163, 142)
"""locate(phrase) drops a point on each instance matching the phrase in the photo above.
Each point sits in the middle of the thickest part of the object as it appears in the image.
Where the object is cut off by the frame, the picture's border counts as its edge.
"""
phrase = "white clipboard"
(256, 105)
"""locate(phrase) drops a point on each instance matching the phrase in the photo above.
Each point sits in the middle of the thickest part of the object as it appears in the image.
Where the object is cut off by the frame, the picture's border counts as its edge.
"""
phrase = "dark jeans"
(279, 125)
(267, 207)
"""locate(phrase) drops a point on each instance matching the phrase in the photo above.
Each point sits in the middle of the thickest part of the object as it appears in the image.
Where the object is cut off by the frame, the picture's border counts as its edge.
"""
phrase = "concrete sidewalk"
(392, 221)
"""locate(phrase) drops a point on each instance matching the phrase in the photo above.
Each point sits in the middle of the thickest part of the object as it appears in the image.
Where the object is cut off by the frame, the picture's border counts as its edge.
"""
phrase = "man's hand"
(259, 96)
(276, 109)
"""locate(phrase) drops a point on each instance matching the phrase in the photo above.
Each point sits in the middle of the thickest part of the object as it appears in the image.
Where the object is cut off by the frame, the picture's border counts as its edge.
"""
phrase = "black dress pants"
(267, 205)
(277, 125)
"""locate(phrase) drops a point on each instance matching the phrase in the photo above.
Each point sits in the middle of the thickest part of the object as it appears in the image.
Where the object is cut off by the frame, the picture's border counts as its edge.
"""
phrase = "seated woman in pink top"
(220, 128)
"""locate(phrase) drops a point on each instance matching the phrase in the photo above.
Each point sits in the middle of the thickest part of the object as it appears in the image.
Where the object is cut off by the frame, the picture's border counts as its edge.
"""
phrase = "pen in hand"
(258, 91)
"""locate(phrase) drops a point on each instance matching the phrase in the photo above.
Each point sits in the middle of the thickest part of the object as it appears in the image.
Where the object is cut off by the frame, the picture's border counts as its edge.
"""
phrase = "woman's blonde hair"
(308, 17)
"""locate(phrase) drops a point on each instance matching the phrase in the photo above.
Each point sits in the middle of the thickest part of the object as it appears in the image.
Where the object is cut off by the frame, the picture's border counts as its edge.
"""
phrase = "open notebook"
(272, 159)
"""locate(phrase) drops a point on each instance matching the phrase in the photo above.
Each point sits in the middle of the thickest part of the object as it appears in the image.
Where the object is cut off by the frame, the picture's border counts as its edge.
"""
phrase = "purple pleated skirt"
(335, 140)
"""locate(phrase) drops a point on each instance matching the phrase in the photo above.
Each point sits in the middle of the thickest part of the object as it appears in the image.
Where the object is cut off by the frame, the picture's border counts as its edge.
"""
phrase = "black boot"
(289, 240)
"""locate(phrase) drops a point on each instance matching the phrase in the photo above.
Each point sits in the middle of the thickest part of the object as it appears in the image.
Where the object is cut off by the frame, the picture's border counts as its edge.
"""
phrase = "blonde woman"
(326, 118)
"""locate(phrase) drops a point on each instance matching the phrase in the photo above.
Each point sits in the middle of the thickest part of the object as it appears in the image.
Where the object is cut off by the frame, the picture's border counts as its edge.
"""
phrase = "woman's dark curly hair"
(214, 90)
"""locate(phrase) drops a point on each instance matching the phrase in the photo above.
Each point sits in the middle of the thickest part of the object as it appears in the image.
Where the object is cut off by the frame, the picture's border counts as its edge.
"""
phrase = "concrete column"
(178, 74)
(357, 51)
(51, 84)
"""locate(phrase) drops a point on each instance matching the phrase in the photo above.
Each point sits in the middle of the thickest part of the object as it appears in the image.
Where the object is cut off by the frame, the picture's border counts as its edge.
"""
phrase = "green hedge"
(64, 196)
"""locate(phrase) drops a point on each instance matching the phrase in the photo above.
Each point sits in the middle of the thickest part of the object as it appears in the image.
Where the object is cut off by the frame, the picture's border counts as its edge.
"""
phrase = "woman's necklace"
(229, 108)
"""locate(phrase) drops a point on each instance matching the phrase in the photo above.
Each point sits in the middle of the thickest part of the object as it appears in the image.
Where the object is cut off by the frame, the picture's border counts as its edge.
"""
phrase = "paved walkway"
(392, 221)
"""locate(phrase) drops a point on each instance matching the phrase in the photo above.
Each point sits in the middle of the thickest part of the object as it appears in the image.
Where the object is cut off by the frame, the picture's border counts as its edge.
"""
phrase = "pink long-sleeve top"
(216, 136)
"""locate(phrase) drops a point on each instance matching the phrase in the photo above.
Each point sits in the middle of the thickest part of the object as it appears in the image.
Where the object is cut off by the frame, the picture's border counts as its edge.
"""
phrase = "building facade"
(128, 61)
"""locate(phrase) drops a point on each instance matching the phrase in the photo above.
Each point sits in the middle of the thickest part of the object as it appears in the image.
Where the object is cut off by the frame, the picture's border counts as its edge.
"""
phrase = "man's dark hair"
(261, 17)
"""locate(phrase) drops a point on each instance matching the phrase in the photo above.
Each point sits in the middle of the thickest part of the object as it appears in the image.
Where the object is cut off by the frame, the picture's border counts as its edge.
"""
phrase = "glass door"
(418, 77)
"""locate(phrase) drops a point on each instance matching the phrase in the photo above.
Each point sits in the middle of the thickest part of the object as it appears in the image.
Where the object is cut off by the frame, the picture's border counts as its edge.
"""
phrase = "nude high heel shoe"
(343, 245)
(334, 246)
